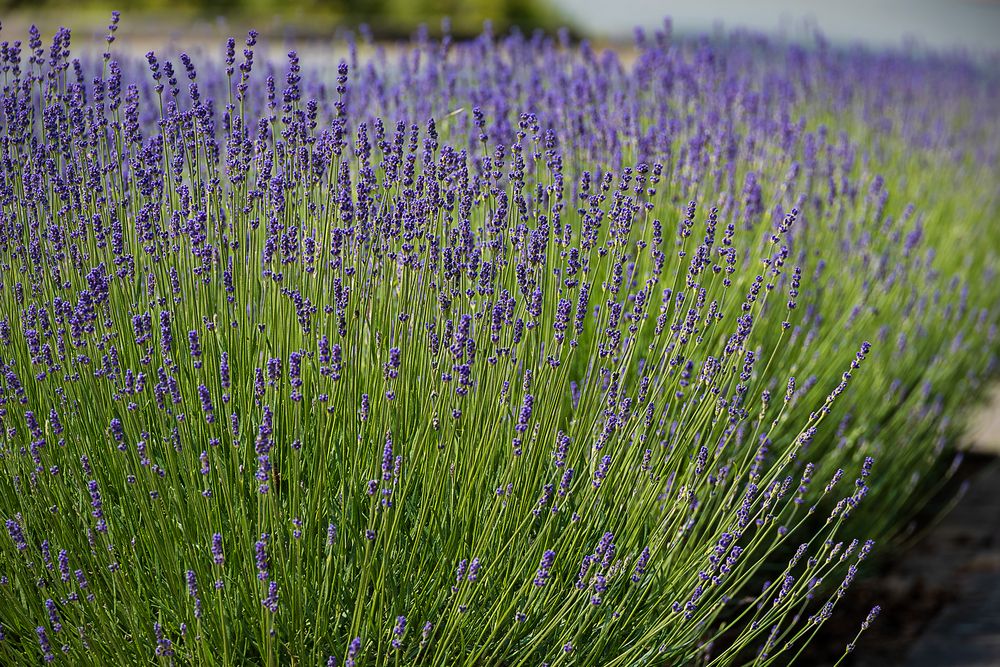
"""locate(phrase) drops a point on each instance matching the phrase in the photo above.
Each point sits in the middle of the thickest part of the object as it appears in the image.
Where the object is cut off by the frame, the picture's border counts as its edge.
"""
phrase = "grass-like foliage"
(494, 353)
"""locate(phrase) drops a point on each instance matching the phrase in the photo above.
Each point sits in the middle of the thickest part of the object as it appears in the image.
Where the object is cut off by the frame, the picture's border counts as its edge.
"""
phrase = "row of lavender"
(503, 352)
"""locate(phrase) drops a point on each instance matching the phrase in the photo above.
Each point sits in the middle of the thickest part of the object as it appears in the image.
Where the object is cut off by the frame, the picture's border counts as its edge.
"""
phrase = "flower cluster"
(452, 311)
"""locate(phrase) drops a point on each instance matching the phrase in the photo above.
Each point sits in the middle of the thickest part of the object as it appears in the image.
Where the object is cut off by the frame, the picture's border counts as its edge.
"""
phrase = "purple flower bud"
(602, 471)
(195, 346)
(271, 601)
(398, 631)
(640, 565)
(872, 615)
(217, 556)
(544, 566)
(263, 566)
(352, 652)
(43, 642)
(206, 404)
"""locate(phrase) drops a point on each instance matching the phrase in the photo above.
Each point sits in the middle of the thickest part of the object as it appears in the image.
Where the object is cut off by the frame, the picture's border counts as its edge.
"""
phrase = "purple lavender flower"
(192, 584)
(97, 506)
(50, 606)
(273, 371)
(16, 534)
(398, 631)
(217, 556)
(63, 560)
(562, 319)
(117, 430)
(602, 471)
(640, 565)
(43, 643)
(263, 564)
(336, 361)
(224, 376)
(195, 346)
(206, 404)
(352, 652)
(387, 458)
(271, 601)
(872, 615)
(331, 534)
(164, 647)
(295, 375)
(544, 566)
(392, 366)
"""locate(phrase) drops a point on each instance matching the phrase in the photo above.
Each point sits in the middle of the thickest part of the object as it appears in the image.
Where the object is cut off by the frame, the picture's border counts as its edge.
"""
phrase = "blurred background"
(969, 25)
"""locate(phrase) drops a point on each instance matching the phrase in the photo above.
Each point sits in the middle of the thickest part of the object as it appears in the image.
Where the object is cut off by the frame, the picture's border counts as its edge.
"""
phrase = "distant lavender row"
(493, 352)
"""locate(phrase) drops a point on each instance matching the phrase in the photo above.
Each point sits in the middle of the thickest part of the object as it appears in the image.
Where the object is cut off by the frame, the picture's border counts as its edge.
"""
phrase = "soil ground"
(941, 599)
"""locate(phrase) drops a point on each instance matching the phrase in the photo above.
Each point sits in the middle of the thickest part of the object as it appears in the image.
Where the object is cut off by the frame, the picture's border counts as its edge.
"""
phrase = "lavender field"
(510, 351)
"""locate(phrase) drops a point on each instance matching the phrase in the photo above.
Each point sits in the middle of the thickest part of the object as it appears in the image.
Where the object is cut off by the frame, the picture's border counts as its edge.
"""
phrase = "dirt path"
(984, 435)
(962, 557)
(941, 598)
(965, 551)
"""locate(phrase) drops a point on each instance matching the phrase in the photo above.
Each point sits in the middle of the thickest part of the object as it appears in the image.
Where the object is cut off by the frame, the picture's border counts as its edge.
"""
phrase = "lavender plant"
(502, 352)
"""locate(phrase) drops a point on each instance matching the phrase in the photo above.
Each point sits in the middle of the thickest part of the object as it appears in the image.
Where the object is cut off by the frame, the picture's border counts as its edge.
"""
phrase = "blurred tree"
(386, 18)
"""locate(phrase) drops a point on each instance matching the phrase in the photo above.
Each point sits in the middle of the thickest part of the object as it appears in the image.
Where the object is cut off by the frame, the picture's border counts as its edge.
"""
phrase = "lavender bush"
(502, 352)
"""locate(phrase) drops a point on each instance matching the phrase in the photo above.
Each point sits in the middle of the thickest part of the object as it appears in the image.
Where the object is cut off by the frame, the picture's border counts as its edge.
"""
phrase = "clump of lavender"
(550, 355)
